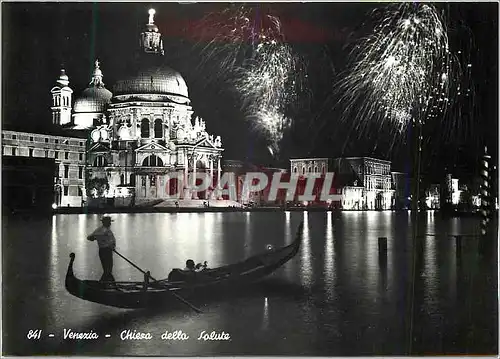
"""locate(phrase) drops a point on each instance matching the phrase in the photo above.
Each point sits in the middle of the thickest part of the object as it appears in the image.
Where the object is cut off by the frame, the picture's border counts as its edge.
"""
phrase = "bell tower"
(150, 41)
(61, 100)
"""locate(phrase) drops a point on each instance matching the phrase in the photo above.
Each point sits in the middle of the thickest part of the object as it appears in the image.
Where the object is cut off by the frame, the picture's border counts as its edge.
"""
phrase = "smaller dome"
(93, 99)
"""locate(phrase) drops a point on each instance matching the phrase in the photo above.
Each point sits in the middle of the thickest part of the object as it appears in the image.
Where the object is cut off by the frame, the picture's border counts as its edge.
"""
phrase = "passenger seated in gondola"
(190, 267)
(188, 273)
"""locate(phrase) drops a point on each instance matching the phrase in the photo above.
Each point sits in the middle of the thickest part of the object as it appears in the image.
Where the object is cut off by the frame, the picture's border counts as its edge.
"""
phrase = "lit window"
(145, 128)
(158, 128)
(100, 161)
(152, 161)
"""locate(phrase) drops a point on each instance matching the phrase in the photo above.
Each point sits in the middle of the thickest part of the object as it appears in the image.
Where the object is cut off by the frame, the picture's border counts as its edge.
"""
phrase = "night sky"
(39, 37)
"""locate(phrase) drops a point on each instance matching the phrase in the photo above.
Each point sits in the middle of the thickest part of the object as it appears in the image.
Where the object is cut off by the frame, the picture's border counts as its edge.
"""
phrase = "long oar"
(174, 294)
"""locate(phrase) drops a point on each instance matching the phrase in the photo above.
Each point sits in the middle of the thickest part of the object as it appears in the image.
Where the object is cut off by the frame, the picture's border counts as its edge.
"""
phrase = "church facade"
(144, 134)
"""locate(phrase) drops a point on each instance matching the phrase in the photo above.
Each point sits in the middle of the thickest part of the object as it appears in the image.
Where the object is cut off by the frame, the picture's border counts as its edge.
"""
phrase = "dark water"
(336, 297)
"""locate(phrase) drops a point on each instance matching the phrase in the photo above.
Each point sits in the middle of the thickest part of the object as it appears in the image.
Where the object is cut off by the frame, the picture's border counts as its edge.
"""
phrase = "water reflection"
(431, 276)
(329, 271)
(306, 270)
(248, 234)
(373, 222)
(331, 299)
(288, 240)
(265, 315)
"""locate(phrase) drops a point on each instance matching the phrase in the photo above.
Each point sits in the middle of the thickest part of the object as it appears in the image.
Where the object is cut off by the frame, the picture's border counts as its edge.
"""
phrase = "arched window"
(99, 161)
(303, 170)
(315, 169)
(295, 170)
(309, 169)
(152, 161)
(145, 128)
(158, 128)
(122, 179)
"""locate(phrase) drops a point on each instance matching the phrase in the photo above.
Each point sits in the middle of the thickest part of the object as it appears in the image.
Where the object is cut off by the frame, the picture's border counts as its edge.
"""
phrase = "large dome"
(93, 99)
(160, 80)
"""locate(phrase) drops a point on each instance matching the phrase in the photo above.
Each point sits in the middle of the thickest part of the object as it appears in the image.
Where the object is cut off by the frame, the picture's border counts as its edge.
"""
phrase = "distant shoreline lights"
(255, 182)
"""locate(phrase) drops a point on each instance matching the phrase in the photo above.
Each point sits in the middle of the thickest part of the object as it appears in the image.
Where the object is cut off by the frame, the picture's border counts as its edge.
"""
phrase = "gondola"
(151, 293)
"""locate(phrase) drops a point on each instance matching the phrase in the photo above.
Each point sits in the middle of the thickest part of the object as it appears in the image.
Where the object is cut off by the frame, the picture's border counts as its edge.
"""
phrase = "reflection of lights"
(265, 315)
(431, 274)
(54, 206)
(306, 270)
(329, 257)
(269, 247)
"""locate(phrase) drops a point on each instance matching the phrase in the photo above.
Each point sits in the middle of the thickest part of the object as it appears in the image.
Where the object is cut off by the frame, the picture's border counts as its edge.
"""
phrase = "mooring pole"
(485, 202)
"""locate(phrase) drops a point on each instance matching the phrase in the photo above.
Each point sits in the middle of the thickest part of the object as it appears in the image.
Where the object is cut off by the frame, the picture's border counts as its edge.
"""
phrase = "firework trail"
(404, 72)
(251, 54)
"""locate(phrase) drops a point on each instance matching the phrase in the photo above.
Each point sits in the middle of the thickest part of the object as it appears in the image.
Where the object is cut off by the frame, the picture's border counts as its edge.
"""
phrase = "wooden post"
(458, 246)
(147, 275)
(382, 245)
(382, 253)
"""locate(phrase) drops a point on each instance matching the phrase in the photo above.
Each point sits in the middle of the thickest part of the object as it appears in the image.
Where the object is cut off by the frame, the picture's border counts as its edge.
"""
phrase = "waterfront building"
(432, 196)
(68, 154)
(149, 134)
(402, 190)
(130, 146)
(364, 182)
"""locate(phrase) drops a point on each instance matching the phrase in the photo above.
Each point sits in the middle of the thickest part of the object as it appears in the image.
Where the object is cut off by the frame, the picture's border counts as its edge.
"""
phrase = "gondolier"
(107, 243)
(152, 292)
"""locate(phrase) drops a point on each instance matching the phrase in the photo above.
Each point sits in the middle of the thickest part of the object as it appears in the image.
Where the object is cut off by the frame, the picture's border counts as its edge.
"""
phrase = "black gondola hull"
(134, 295)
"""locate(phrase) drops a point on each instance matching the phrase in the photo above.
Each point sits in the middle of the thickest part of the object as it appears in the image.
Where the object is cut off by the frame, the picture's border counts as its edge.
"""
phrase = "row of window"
(150, 161)
(65, 101)
(158, 128)
(310, 170)
(66, 172)
(66, 191)
(56, 153)
(376, 169)
(46, 140)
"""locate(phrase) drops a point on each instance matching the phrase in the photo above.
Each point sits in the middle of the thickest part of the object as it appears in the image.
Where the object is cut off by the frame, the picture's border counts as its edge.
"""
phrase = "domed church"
(144, 132)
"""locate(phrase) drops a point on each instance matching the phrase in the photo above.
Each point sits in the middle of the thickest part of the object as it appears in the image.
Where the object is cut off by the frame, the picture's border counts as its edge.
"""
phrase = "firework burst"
(252, 56)
(403, 72)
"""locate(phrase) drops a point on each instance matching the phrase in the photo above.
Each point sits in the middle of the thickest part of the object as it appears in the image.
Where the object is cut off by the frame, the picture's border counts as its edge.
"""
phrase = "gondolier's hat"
(106, 217)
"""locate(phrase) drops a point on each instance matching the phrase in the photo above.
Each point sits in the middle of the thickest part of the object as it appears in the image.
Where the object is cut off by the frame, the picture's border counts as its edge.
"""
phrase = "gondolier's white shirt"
(104, 236)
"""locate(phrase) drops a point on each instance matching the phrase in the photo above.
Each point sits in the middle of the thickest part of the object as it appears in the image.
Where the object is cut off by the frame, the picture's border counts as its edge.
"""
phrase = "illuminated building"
(365, 183)
(67, 152)
(129, 144)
